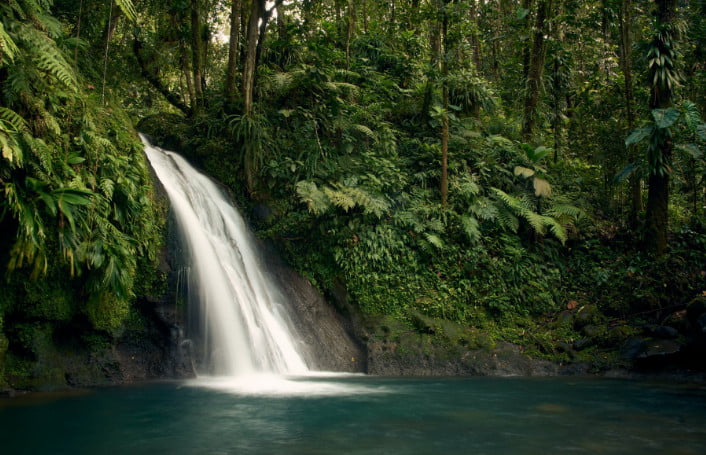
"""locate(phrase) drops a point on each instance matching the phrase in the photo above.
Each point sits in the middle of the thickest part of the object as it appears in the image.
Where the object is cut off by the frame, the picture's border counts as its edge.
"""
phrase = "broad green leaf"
(542, 187)
(638, 135)
(664, 118)
(75, 158)
(701, 131)
(692, 149)
(523, 171)
(626, 172)
(539, 153)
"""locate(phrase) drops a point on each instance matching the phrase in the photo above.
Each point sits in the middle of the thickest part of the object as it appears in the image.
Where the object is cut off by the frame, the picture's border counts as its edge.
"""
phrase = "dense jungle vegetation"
(505, 165)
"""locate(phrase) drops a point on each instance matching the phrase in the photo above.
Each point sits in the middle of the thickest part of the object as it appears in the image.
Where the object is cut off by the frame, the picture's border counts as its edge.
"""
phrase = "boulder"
(661, 331)
(633, 348)
(661, 348)
(582, 343)
(587, 315)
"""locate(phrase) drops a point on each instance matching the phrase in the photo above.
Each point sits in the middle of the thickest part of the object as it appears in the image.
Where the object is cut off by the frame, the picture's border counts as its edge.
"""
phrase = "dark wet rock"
(661, 331)
(700, 323)
(582, 343)
(593, 331)
(262, 212)
(328, 335)
(419, 355)
(661, 348)
(617, 335)
(633, 348)
(587, 315)
(695, 310)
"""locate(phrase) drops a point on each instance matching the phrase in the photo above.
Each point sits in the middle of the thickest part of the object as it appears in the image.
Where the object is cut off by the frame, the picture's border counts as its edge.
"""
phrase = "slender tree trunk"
(661, 98)
(536, 68)
(152, 78)
(560, 79)
(475, 42)
(445, 105)
(233, 50)
(634, 182)
(527, 51)
(350, 31)
(434, 62)
(256, 12)
(197, 57)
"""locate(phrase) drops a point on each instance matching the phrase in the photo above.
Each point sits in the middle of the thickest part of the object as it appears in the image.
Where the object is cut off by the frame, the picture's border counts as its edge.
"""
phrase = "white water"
(246, 330)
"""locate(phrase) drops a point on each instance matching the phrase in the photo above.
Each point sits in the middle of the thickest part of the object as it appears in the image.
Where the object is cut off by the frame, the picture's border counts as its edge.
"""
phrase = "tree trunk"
(350, 31)
(152, 78)
(197, 57)
(536, 68)
(233, 50)
(634, 182)
(527, 51)
(256, 12)
(474, 41)
(445, 106)
(661, 98)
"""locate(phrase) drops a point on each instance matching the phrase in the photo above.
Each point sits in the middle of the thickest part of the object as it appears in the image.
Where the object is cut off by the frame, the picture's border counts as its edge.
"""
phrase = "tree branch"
(153, 79)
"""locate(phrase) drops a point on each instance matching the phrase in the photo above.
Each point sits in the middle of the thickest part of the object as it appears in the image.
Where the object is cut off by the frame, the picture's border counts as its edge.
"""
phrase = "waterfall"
(246, 328)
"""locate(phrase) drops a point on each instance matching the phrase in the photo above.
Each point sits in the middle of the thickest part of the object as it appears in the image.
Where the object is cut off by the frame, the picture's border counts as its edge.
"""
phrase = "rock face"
(326, 332)
(418, 357)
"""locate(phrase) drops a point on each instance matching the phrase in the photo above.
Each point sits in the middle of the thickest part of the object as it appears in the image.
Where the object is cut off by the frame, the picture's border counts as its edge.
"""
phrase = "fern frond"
(12, 119)
(471, 228)
(484, 209)
(317, 202)
(507, 219)
(368, 202)
(49, 59)
(435, 240)
(341, 199)
(566, 210)
(364, 130)
(535, 220)
(557, 229)
(8, 48)
(128, 9)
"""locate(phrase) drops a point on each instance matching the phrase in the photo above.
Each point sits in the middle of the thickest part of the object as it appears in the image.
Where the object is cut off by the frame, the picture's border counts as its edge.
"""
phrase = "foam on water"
(272, 385)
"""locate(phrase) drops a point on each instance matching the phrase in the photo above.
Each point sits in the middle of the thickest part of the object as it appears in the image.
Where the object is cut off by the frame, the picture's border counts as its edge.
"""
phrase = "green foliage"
(76, 193)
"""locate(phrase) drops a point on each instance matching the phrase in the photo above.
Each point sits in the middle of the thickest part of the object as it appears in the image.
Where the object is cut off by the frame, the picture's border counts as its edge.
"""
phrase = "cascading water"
(247, 330)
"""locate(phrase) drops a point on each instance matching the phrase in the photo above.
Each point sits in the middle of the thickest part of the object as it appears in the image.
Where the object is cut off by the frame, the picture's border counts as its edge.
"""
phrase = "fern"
(340, 199)
(317, 202)
(8, 48)
(54, 63)
(364, 130)
(471, 228)
(128, 9)
(12, 119)
(434, 240)
(521, 208)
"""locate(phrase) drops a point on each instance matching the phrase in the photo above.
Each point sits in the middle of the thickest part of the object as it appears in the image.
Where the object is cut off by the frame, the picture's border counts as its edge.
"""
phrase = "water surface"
(365, 415)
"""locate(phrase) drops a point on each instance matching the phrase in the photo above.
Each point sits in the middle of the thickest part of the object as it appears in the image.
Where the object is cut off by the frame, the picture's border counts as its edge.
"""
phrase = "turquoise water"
(363, 415)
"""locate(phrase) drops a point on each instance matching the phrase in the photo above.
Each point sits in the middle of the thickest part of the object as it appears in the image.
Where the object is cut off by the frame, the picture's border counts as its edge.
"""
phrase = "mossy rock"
(695, 309)
(588, 315)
